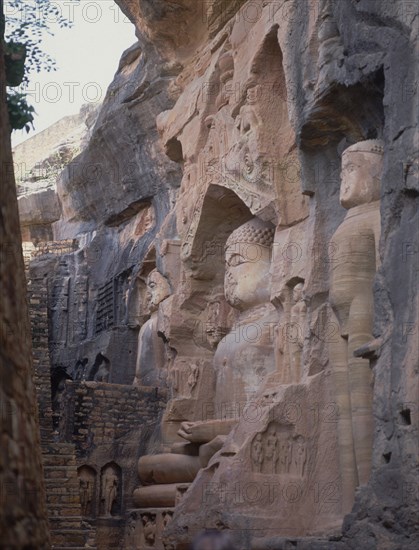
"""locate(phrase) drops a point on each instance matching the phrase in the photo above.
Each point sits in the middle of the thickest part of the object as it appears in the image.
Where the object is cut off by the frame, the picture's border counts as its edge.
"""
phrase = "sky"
(87, 57)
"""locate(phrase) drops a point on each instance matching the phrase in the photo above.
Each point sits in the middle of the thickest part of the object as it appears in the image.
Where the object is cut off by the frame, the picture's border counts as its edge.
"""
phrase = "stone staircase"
(68, 529)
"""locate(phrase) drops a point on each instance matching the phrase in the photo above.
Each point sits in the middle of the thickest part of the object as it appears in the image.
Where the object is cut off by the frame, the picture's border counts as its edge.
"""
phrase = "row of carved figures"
(274, 453)
(110, 490)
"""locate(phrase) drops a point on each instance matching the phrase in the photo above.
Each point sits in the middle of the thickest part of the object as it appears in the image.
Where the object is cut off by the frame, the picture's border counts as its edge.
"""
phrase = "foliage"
(20, 112)
(27, 22)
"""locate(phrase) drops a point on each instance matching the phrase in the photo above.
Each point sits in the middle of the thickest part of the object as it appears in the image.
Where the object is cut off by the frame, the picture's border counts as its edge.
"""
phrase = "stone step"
(64, 522)
(59, 468)
(64, 481)
(59, 460)
(69, 538)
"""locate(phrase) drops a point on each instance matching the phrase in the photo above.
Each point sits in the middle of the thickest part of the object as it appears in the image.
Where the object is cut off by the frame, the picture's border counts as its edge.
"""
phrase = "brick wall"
(22, 496)
(110, 424)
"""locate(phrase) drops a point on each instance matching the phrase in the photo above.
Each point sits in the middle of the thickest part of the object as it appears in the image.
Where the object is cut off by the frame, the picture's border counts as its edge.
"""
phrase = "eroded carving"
(150, 364)
(87, 484)
(351, 279)
(110, 488)
(149, 529)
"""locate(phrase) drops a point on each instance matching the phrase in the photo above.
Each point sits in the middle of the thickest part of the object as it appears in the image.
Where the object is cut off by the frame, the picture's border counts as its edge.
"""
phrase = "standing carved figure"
(149, 529)
(300, 456)
(257, 453)
(285, 455)
(352, 273)
(297, 318)
(271, 450)
(110, 485)
(86, 496)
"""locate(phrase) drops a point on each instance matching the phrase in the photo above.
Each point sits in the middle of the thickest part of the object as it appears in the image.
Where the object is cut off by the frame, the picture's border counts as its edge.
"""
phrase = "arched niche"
(340, 116)
(262, 164)
(87, 486)
(202, 252)
(59, 376)
(111, 490)
(100, 371)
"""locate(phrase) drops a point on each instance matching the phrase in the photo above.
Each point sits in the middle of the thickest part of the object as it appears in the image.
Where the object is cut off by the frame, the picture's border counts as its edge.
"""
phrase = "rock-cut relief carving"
(184, 376)
(87, 486)
(150, 364)
(149, 529)
(277, 451)
(244, 357)
(290, 334)
(80, 302)
(351, 278)
(110, 490)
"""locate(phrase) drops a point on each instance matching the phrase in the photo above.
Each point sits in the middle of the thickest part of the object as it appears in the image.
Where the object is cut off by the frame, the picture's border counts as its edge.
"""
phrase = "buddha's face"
(246, 282)
(157, 290)
(360, 177)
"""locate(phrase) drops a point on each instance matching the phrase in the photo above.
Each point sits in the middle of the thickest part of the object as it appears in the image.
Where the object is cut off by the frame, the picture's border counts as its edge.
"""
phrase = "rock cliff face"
(245, 218)
(38, 162)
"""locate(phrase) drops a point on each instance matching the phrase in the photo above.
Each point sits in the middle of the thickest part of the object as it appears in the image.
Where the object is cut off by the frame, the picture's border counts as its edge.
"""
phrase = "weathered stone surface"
(290, 362)
(22, 494)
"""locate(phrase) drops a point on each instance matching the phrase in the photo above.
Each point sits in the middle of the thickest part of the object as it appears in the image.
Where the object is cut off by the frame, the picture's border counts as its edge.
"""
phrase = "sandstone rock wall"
(231, 121)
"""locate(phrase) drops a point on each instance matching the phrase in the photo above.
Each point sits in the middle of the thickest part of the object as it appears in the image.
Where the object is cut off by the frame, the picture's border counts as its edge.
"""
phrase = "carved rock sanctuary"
(222, 287)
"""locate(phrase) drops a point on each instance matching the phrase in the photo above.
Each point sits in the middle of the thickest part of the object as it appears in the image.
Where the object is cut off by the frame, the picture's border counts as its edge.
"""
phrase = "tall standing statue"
(353, 268)
(149, 369)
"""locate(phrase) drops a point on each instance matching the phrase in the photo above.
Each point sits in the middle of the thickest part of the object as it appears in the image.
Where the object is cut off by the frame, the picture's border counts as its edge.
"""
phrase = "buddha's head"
(362, 165)
(157, 290)
(248, 258)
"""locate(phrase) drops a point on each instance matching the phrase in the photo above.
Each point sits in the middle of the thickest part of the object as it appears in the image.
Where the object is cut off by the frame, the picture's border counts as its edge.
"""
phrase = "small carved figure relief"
(60, 303)
(217, 320)
(285, 455)
(184, 375)
(298, 320)
(110, 487)
(167, 518)
(257, 453)
(180, 491)
(270, 451)
(277, 452)
(193, 376)
(122, 290)
(300, 456)
(149, 528)
(290, 334)
(351, 278)
(226, 65)
(80, 306)
(331, 47)
(87, 480)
